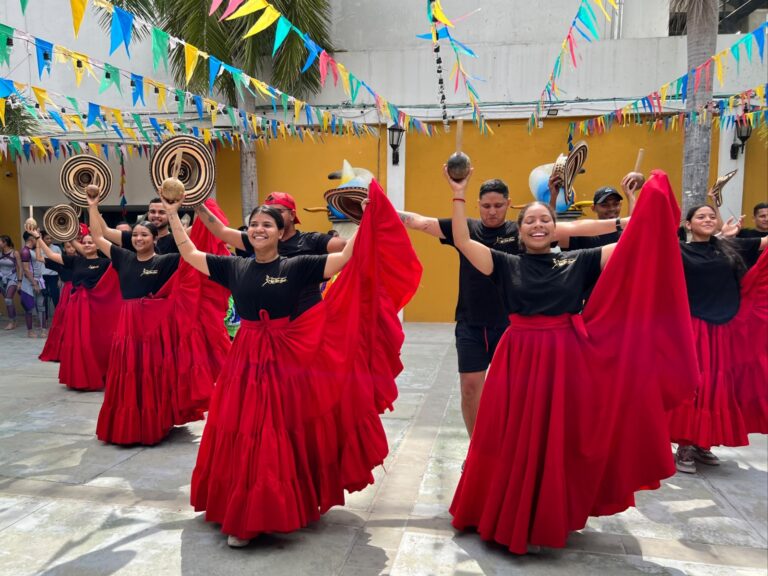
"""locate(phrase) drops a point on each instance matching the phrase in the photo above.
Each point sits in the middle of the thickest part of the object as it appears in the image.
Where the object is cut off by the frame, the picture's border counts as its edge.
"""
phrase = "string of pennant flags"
(677, 89)
(748, 106)
(351, 83)
(82, 65)
(584, 25)
(439, 30)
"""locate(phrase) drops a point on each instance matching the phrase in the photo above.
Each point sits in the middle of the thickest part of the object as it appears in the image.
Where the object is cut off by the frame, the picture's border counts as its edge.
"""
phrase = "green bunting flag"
(6, 32)
(160, 40)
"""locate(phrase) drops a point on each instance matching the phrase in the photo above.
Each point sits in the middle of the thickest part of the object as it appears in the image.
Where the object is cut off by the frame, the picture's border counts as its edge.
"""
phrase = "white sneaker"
(235, 542)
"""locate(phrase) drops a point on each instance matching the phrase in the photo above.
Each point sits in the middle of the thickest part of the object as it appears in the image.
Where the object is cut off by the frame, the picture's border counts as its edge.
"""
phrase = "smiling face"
(608, 209)
(493, 209)
(702, 224)
(157, 215)
(142, 240)
(537, 228)
(89, 246)
(263, 233)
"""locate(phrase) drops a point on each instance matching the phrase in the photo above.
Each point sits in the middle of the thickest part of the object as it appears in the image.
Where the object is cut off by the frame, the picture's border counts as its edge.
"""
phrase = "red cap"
(84, 230)
(283, 199)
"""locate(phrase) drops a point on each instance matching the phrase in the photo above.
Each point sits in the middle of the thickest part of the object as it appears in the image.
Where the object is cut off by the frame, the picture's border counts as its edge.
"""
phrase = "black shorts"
(475, 345)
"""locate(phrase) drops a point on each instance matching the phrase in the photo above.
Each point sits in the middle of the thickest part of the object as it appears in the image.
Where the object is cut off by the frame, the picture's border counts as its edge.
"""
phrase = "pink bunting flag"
(215, 6)
(323, 64)
(572, 48)
(231, 7)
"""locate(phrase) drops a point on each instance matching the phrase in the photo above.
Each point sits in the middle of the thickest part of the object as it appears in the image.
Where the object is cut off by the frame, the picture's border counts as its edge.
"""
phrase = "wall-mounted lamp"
(741, 135)
(395, 138)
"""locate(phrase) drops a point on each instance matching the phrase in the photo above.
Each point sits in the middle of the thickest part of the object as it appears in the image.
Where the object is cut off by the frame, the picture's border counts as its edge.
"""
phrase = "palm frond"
(18, 122)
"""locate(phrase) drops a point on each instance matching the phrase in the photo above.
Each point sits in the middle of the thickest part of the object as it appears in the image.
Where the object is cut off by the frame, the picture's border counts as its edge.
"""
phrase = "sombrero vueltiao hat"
(568, 167)
(61, 222)
(348, 197)
(717, 189)
(196, 171)
(81, 170)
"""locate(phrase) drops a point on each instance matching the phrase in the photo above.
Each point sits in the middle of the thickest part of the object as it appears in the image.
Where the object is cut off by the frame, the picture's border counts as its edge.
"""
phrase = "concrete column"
(733, 192)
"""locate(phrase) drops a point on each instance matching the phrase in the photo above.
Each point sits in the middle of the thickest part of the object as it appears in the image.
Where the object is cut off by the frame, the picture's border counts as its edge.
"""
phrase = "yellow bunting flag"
(41, 95)
(130, 150)
(2, 110)
(437, 12)
(105, 4)
(298, 106)
(80, 63)
(95, 148)
(600, 5)
(171, 129)
(248, 8)
(663, 93)
(39, 143)
(719, 68)
(206, 136)
(265, 21)
(77, 121)
(760, 91)
(281, 129)
(190, 60)
(213, 108)
(131, 133)
(78, 10)
(161, 93)
(326, 120)
(344, 79)
(118, 118)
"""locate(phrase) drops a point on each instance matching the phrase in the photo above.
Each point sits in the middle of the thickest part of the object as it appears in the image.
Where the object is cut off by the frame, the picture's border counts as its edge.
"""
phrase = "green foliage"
(18, 122)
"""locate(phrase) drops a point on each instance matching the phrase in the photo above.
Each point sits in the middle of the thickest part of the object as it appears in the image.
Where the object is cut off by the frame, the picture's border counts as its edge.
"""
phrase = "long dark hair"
(723, 246)
(521, 217)
(7, 241)
(270, 211)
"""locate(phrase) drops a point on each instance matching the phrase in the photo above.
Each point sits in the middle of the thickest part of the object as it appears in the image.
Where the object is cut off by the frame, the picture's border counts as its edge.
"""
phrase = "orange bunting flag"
(95, 148)
(266, 20)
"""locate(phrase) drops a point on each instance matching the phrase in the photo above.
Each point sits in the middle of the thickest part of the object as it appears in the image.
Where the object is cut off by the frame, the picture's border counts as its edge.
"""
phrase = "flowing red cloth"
(572, 419)
(86, 339)
(293, 421)
(167, 352)
(52, 346)
(731, 400)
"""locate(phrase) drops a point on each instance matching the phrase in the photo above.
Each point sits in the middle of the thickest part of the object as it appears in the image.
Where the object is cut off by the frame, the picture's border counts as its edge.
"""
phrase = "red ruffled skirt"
(268, 459)
(731, 400)
(51, 350)
(549, 448)
(86, 338)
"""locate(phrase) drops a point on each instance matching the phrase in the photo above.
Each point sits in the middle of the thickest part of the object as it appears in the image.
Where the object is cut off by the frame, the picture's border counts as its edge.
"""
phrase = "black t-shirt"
(300, 243)
(582, 242)
(712, 281)
(163, 244)
(276, 287)
(65, 274)
(751, 233)
(548, 284)
(141, 278)
(85, 271)
(479, 302)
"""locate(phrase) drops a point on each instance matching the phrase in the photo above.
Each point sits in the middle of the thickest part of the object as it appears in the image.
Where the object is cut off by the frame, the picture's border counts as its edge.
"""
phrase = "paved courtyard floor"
(70, 505)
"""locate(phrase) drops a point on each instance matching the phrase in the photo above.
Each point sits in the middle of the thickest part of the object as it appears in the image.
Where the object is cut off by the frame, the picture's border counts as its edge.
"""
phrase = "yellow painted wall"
(755, 174)
(301, 168)
(511, 154)
(228, 184)
(10, 222)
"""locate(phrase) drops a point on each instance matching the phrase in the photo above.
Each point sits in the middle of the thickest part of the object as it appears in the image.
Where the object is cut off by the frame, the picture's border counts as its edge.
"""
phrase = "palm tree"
(701, 41)
(189, 20)
(18, 121)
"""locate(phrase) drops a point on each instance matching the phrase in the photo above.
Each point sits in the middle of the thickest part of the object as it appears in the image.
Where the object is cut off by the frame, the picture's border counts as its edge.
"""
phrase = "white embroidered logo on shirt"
(146, 272)
(275, 280)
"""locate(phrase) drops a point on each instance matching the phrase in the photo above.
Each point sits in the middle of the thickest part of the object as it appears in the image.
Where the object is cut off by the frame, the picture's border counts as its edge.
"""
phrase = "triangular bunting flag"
(78, 10)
